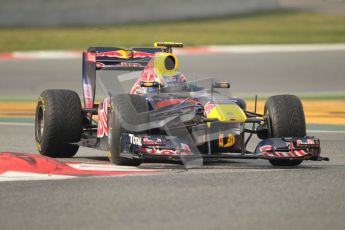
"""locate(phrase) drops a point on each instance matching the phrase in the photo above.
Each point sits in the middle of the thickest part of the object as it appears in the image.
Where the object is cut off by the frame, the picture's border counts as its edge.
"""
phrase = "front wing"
(172, 148)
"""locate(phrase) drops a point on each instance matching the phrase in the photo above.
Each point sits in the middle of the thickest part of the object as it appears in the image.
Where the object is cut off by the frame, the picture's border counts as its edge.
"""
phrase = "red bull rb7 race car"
(164, 116)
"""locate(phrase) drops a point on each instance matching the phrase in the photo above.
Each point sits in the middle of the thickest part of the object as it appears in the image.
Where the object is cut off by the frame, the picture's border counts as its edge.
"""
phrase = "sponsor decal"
(149, 150)
(115, 54)
(102, 126)
(88, 96)
(155, 151)
(134, 140)
(166, 152)
(307, 141)
(294, 153)
(141, 54)
(149, 141)
(267, 151)
(226, 142)
(125, 54)
(101, 65)
(135, 65)
(128, 64)
(310, 141)
(91, 57)
(266, 148)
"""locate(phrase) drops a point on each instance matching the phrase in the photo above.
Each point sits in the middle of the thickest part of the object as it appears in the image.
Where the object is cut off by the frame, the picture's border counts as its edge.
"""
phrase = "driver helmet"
(165, 66)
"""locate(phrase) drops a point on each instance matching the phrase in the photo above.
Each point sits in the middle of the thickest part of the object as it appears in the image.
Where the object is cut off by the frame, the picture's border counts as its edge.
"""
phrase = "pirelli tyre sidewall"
(285, 116)
(58, 123)
(124, 108)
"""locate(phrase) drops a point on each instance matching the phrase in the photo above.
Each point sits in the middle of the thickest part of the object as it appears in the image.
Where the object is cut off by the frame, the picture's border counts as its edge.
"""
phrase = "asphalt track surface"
(263, 73)
(225, 195)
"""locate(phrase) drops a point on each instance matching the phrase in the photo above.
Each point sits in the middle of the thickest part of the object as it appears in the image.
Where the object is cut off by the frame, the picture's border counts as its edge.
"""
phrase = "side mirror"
(221, 85)
(149, 84)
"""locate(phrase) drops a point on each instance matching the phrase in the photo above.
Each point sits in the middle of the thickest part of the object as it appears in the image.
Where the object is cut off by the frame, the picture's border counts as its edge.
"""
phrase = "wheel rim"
(110, 128)
(111, 145)
(40, 123)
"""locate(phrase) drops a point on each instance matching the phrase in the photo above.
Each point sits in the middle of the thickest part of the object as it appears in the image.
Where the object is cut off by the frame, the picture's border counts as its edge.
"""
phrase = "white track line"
(108, 167)
(25, 176)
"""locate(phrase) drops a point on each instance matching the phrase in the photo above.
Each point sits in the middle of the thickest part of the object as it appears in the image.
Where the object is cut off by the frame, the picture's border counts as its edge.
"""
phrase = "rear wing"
(109, 58)
(113, 58)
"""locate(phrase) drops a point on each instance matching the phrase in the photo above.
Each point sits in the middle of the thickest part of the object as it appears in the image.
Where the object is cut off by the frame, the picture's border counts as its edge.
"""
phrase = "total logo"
(134, 140)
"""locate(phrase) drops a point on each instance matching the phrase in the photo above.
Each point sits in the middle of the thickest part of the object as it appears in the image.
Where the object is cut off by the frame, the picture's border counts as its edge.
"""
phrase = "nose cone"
(230, 113)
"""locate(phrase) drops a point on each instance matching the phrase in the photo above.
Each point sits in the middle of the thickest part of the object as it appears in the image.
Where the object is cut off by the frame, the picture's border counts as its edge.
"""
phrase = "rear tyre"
(125, 109)
(285, 119)
(58, 123)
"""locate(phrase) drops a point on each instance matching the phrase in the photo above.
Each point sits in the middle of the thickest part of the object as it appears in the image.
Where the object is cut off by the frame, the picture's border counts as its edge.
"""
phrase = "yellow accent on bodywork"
(230, 140)
(125, 54)
(148, 84)
(231, 113)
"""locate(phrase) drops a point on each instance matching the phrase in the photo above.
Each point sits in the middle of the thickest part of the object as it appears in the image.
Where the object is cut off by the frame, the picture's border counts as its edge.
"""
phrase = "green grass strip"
(279, 27)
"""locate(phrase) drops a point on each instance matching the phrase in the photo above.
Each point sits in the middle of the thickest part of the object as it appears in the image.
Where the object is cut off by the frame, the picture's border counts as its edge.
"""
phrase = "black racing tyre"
(58, 123)
(285, 119)
(125, 109)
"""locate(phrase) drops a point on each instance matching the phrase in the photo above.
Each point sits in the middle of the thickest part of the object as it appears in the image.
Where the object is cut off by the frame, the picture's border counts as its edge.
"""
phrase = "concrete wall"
(46, 13)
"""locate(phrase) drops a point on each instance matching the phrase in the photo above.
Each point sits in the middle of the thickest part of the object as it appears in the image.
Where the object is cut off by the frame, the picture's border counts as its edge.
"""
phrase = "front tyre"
(58, 123)
(125, 109)
(285, 116)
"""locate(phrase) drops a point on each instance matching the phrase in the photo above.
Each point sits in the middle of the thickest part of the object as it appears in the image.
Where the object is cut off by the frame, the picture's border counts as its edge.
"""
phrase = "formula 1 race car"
(164, 116)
